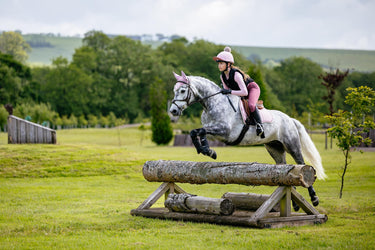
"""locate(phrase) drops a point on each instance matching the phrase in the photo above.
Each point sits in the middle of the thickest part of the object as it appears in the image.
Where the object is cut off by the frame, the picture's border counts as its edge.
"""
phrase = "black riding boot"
(258, 122)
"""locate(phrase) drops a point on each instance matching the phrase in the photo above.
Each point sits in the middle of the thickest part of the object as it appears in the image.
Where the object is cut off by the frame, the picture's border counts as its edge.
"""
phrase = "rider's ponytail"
(245, 76)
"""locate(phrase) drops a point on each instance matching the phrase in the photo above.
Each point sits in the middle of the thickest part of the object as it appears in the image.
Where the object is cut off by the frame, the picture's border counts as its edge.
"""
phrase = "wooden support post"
(285, 207)
(307, 207)
(269, 204)
(159, 192)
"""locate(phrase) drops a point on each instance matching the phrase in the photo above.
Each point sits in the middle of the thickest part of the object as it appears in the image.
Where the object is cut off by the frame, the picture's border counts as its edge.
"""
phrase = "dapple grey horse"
(219, 119)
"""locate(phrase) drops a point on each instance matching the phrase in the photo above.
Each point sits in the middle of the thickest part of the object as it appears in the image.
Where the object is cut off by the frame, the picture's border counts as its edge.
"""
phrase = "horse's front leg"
(194, 137)
(200, 141)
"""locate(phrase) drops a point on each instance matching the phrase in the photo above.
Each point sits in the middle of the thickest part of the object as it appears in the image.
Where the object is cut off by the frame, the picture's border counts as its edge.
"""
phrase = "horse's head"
(183, 94)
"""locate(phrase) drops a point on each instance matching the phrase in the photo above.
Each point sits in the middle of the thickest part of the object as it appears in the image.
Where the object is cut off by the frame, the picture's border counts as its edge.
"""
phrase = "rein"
(198, 99)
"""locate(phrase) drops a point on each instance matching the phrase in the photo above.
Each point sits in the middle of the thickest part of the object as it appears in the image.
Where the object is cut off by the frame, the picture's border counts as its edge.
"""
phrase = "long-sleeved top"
(241, 84)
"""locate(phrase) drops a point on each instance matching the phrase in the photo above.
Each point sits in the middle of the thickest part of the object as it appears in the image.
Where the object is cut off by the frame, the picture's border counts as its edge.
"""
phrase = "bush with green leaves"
(349, 126)
(3, 118)
(162, 132)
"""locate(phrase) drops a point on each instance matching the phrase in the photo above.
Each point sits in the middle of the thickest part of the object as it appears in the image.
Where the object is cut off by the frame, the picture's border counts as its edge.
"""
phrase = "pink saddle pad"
(264, 113)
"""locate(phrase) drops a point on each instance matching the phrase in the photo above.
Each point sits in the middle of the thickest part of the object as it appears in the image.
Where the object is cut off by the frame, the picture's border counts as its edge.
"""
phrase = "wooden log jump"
(250, 210)
(244, 173)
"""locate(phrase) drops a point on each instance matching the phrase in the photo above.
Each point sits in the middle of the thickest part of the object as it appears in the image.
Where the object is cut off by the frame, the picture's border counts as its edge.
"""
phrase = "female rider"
(236, 82)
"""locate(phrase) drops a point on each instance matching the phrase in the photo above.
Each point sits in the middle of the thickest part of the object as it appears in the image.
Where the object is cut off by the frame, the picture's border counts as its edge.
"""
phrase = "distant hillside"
(359, 60)
(46, 47)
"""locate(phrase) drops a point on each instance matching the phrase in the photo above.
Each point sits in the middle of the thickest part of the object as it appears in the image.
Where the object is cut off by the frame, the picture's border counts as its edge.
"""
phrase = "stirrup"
(260, 130)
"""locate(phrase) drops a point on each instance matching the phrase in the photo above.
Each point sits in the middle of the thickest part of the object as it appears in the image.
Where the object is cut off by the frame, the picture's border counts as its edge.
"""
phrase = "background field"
(79, 193)
(358, 60)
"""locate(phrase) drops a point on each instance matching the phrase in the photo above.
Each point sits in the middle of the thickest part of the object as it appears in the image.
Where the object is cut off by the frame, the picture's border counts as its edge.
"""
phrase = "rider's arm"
(239, 80)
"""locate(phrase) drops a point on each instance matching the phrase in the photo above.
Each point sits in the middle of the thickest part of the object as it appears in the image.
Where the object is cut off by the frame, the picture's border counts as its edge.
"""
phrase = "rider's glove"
(226, 91)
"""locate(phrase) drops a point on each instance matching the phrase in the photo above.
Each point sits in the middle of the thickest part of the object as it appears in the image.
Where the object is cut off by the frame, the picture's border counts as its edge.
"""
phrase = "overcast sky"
(337, 24)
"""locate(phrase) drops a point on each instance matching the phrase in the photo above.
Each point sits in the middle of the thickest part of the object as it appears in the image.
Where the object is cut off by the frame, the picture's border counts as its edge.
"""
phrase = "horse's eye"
(182, 91)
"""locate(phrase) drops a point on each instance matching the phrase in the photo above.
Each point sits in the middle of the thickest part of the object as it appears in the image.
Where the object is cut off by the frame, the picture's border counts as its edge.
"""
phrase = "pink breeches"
(254, 92)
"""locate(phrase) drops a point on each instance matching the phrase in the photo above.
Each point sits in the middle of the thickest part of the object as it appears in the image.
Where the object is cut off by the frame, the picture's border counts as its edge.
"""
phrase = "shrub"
(162, 132)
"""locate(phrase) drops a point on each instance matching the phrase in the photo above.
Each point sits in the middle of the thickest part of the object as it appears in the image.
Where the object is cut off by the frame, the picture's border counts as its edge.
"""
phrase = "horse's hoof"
(213, 154)
(315, 200)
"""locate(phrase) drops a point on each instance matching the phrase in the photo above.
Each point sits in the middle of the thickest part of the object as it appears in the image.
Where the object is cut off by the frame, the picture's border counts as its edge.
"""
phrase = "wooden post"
(285, 208)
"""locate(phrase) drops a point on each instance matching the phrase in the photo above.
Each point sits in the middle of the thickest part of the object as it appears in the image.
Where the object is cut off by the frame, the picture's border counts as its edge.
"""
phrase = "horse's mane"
(205, 80)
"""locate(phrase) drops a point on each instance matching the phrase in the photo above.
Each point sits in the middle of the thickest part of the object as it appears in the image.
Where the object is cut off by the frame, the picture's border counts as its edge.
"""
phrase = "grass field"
(78, 195)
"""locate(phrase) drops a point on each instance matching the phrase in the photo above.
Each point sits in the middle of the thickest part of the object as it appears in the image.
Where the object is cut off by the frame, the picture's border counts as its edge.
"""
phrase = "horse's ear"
(176, 76)
(184, 76)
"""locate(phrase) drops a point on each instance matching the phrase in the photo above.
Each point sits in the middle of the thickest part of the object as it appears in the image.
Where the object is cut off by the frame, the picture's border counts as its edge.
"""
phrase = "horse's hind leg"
(295, 151)
(277, 151)
(313, 196)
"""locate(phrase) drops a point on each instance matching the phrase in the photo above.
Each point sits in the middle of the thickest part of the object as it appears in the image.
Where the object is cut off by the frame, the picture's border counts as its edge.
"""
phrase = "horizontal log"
(198, 204)
(249, 201)
(245, 173)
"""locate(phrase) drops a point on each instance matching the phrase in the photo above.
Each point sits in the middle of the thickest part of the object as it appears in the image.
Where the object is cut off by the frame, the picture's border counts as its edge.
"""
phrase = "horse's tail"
(309, 151)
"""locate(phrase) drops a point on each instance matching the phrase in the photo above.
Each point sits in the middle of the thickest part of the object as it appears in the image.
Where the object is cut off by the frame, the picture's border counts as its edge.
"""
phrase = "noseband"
(191, 92)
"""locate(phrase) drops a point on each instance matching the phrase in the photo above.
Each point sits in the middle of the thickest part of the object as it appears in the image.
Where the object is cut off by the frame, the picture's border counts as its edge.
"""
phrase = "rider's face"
(222, 66)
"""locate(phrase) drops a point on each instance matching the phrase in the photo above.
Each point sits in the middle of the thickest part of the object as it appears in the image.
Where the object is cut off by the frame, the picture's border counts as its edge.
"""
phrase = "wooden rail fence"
(22, 131)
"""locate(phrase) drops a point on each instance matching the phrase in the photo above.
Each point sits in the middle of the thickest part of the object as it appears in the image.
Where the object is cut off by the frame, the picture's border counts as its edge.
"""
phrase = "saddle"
(265, 116)
(264, 113)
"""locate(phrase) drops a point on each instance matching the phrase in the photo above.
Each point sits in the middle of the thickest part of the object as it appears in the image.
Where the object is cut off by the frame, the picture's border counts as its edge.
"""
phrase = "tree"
(349, 126)
(3, 117)
(12, 43)
(162, 132)
(14, 76)
(332, 81)
(298, 83)
(68, 88)
(130, 68)
(96, 40)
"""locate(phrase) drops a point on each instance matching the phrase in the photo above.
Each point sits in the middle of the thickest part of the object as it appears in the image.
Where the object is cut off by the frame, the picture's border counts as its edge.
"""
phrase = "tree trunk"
(343, 174)
(244, 173)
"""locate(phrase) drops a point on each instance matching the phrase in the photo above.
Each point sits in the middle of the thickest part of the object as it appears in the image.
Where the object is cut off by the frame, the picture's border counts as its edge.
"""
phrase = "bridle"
(188, 96)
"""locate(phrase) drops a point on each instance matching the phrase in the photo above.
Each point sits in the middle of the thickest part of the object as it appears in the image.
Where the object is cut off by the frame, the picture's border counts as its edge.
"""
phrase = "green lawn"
(78, 194)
